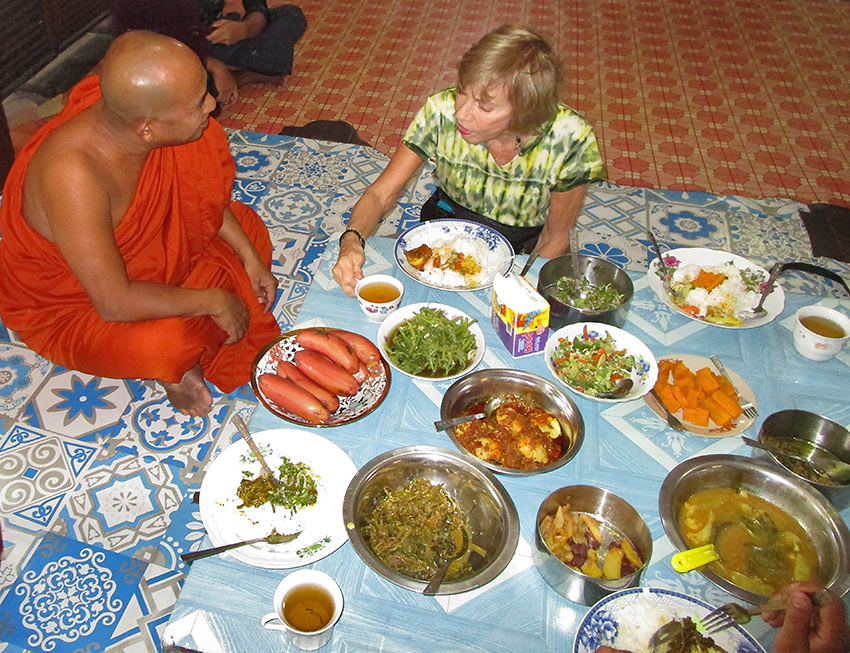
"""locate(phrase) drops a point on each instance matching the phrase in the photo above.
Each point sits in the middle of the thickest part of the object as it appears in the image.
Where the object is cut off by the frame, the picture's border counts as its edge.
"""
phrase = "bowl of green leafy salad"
(590, 358)
(431, 341)
(597, 291)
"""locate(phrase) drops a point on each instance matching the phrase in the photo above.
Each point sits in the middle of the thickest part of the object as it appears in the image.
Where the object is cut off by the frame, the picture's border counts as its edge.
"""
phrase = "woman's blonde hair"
(525, 61)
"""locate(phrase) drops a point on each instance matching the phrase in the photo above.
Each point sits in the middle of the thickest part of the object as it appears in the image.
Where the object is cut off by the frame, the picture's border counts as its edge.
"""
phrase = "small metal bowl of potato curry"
(536, 428)
(589, 543)
(401, 540)
(768, 527)
(807, 434)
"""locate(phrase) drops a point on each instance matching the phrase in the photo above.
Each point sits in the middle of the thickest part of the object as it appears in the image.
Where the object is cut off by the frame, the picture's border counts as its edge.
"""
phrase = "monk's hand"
(263, 282)
(805, 627)
(231, 317)
(349, 266)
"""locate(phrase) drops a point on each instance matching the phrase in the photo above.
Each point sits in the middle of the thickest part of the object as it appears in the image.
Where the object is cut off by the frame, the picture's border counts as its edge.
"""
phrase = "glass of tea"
(379, 295)
(307, 605)
(820, 332)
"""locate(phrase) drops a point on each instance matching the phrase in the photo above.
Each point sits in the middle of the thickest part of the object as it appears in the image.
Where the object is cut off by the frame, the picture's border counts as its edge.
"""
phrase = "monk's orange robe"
(168, 235)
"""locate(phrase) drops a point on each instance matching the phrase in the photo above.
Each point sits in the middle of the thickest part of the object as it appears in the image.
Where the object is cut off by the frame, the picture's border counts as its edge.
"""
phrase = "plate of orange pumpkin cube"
(703, 400)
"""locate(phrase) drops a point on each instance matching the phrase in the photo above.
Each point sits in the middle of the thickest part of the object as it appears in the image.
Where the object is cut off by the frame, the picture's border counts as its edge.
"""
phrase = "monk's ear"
(144, 130)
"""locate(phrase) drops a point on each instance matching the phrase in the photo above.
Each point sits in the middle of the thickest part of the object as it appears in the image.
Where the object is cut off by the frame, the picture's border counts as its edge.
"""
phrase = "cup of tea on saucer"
(820, 332)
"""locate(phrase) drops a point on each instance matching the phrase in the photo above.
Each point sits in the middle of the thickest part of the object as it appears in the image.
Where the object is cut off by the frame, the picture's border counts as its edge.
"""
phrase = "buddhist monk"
(121, 254)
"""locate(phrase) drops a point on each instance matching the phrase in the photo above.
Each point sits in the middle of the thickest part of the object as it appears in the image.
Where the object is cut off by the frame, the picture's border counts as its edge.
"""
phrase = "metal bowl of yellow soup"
(755, 513)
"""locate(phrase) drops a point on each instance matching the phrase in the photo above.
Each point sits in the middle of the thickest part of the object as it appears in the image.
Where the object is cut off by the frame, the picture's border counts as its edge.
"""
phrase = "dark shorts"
(440, 205)
(270, 53)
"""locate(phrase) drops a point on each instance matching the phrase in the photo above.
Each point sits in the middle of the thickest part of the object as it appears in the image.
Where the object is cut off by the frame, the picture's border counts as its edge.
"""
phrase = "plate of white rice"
(628, 618)
(722, 305)
(490, 250)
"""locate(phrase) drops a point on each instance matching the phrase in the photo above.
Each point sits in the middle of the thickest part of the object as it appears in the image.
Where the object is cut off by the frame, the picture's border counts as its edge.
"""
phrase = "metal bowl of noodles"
(765, 480)
(597, 272)
(493, 525)
(469, 393)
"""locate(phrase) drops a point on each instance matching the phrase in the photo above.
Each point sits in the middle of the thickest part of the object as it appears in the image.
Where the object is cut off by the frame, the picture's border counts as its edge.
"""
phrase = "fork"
(732, 614)
(747, 406)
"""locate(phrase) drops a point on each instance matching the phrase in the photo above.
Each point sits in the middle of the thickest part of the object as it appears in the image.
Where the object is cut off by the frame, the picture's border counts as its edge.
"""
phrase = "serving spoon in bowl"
(621, 389)
(449, 423)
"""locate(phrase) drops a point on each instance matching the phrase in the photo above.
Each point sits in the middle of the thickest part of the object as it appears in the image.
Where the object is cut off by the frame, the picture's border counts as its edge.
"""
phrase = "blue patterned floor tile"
(70, 596)
(22, 372)
(39, 471)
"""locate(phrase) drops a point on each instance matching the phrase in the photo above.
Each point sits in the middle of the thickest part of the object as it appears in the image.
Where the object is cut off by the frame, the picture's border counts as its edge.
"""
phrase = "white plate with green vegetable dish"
(316, 474)
(589, 357)
(431, 341)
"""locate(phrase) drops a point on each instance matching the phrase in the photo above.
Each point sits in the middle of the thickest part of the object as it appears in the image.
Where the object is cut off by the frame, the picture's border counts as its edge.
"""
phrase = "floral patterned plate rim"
(745, 392)
(628, 618)
(501, 253)
(372, 391)
(321, 525)
(702, 256)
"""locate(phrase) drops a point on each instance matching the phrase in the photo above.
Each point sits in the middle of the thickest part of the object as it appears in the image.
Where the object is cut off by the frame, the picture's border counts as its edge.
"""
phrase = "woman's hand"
(806, 628)
(349, 265)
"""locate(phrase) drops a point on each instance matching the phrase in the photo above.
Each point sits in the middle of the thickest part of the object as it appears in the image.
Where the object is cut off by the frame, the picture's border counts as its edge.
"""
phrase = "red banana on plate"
(296, 400)
(326, 373)
(364, 348)
(288, 371)
(327, 343)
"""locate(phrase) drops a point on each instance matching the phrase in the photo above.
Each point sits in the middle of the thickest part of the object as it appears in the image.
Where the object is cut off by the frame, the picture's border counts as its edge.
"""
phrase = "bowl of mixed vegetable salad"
(589, 358)
(431, 341)
(599, 292)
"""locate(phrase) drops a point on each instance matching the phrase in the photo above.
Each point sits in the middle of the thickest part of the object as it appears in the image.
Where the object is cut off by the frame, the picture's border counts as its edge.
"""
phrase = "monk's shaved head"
(144, 74)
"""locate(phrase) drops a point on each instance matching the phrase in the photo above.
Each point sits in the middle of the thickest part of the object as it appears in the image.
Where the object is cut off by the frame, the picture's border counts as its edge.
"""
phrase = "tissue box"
(520, 315)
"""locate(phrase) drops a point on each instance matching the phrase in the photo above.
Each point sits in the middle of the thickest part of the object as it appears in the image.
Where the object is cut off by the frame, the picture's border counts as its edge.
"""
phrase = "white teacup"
(820, 332)
(379, 295)
(311, 616)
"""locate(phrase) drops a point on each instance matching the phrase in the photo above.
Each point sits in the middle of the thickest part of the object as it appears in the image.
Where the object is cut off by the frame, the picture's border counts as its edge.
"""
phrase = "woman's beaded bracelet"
(356, 233)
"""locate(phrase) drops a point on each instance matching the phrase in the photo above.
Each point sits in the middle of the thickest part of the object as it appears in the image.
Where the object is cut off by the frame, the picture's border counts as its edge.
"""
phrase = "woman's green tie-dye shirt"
(563, 156)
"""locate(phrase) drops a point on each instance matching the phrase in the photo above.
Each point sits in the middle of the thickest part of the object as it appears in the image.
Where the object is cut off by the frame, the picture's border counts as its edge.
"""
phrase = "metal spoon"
(272, 538)
(434, 584)
(451, 422)
(672, 421)
(821, 461)
(531, 258)
(758, 311)
(665, 281)
(622, 388)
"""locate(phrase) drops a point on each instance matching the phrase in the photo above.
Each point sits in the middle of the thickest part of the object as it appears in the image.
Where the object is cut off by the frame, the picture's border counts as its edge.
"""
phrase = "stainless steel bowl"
(766, 480)
(616, 514)
(597, 271)
(817, 430)
(491, 512)
(478, 387)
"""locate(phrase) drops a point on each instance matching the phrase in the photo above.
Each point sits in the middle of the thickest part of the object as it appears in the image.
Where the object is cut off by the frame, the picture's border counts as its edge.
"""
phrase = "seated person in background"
(256, 47)
(507, 153)
(803, 627)
(122, 254)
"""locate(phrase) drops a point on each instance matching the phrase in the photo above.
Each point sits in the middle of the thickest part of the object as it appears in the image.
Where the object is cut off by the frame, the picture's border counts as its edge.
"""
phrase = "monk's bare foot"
(244, 77)
(191, 396)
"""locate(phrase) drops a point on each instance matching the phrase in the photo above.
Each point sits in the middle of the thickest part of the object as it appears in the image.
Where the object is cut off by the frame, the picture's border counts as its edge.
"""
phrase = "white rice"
(491, 264)
(731, 298)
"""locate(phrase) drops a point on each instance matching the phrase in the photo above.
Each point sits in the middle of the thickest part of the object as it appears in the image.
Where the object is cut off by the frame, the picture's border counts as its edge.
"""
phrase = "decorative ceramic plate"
(372, 391)
(773, 304)
(738, 425)
(321, 525)
(405, 313)
(628, 618)
(477, 239)
(643, 375)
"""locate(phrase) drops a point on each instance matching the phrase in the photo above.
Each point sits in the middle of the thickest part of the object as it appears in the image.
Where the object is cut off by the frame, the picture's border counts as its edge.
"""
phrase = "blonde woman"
(507, 153)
